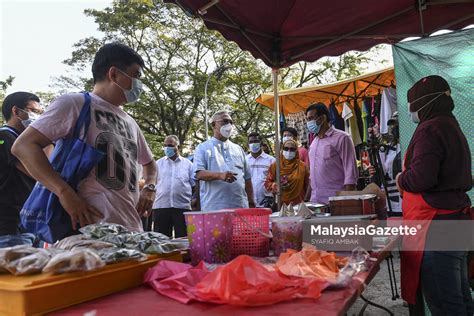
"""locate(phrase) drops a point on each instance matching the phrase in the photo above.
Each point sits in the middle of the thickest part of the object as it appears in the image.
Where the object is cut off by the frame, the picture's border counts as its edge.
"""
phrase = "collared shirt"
(332, 164)
(174, 183)
(216, 156)
(259, 170)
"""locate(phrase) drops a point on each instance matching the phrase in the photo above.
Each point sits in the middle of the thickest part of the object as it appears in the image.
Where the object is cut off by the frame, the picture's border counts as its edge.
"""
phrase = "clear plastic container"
(287, 233)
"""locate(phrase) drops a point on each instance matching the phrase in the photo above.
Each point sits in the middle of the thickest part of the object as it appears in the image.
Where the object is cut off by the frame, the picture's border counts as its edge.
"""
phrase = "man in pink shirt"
(331, 156)
(110, 193)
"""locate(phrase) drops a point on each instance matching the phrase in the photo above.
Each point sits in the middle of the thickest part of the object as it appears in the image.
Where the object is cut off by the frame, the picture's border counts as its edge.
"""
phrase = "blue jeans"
(444, 283)
(14, 240)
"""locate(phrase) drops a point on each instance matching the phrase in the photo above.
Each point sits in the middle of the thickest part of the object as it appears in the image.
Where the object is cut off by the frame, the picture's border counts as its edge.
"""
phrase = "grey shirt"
(216, 156)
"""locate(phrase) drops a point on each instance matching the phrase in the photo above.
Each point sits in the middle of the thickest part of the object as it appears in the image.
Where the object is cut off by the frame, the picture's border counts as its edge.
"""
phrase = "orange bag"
(246, 282)
(311, 262)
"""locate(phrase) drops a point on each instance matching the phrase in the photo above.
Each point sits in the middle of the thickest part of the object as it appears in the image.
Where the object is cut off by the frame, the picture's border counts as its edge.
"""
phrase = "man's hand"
(145, 202)
(79, 210)
(228, 176)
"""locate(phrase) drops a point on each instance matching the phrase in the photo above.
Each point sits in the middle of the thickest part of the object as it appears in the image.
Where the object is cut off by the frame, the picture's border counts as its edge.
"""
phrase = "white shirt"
(173, 184)
(259, 170)
(387, 107)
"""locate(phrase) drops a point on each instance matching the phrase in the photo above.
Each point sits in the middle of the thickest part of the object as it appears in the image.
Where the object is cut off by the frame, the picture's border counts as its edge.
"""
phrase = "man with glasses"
(19, 109)
(331, 156)
(222, 168)
(174, 190)
(110, 192)
(259, 162)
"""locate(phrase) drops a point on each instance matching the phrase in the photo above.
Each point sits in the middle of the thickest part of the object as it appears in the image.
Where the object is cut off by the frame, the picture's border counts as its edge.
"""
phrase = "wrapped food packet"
(33, 263)
(81, 241)
(10, 254)
(100, 230)
(154, 246)
(73, 261)
(113, 255)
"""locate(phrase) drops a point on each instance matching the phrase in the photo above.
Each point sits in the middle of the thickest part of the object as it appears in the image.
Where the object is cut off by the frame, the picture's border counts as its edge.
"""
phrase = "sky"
(37, 35)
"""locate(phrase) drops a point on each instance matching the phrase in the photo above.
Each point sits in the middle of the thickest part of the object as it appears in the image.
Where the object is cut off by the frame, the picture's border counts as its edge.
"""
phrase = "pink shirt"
(332, 164)
(112, 186)
(303, 154)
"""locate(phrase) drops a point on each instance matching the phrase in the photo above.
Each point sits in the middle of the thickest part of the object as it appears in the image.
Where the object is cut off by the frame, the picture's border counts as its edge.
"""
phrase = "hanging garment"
(358, 114)
(298, 121)
(335, 118)
(365, 123)
(387, 107)
(350, 122)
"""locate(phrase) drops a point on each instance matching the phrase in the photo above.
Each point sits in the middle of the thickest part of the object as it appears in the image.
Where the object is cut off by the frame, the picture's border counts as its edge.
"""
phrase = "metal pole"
(206, 122)
(275, 72)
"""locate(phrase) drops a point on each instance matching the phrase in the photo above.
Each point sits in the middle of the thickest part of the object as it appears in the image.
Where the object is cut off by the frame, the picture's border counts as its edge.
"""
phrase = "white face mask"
(133, 94)
(226, 130)
(414, 115)
(289, 155)
(31, 118)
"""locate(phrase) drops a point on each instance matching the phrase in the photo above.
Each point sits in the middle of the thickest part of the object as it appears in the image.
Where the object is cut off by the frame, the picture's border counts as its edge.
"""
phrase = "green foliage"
(4, 84)
(180, 55)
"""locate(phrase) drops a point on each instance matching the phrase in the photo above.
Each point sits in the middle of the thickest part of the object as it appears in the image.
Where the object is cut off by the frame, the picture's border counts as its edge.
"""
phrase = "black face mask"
(394, 133)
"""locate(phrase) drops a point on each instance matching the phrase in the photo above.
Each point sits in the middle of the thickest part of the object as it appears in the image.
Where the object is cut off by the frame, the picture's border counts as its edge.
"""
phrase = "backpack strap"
(84, 118)
(9, 129)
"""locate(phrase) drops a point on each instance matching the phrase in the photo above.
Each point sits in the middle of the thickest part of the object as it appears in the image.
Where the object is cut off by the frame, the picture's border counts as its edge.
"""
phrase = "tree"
(4, 84)
(179, 55)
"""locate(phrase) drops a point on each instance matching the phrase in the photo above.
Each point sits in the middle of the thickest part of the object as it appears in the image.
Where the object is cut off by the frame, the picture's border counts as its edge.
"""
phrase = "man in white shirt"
(259, 162)
(174, 189)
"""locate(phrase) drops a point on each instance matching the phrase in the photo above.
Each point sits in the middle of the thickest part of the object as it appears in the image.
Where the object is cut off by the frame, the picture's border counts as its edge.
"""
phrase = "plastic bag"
(81, 241)
(311, 262)
(113, 255)
(99, 230)
(31, 264)
(73, 261)
(245, 282)
(358, 259)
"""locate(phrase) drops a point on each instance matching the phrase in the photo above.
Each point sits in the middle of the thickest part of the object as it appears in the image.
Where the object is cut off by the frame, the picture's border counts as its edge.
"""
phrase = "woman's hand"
(399, 188)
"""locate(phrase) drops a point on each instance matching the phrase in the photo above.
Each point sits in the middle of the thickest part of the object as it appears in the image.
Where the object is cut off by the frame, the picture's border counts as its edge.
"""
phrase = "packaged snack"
(81, 241)
(99, 230)
(73, 261)
(113, 255)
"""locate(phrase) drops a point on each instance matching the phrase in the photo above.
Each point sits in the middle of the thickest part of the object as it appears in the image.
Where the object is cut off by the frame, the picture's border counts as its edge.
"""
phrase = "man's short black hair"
(292, 130)
(255, 134)
(19, 99)
(320, 108)
(114, 54)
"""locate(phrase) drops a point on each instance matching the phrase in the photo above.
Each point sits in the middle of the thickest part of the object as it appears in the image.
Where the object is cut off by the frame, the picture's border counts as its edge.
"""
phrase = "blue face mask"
(133, 94)
(313, 127)
(414, 115)
(254, 147)
(170, 152)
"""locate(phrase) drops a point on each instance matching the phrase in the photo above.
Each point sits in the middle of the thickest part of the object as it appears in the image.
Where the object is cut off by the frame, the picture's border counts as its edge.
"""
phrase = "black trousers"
(165, 219)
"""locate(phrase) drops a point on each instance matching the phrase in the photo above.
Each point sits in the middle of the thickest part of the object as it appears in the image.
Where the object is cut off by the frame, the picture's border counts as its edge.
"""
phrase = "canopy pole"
(421, 19)
(275, 72)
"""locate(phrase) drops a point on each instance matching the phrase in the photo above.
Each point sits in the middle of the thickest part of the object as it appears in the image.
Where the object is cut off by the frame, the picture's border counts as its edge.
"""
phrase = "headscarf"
(295, 170)
(441, 106)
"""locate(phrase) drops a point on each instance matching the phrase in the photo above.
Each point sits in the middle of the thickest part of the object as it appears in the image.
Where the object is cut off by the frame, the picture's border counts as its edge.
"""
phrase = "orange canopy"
(296, 100)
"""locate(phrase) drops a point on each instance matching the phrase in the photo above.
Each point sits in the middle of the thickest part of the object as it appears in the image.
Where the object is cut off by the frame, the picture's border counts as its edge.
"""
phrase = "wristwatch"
(150, 187)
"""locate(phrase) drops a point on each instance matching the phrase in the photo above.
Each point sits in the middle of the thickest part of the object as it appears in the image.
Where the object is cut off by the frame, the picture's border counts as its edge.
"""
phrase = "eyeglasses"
(226, 121)
(293, 149)
(168, 145)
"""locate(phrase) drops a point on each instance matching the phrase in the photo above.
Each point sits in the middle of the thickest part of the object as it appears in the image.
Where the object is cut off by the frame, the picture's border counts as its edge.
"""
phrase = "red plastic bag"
(175, 279)
(245, 282)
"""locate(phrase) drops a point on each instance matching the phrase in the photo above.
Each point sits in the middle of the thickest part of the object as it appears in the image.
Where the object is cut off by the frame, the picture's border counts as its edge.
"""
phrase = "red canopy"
(283, 32)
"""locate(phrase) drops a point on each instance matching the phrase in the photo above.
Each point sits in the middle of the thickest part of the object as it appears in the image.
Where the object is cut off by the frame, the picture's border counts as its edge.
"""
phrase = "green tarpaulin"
(449, 55)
